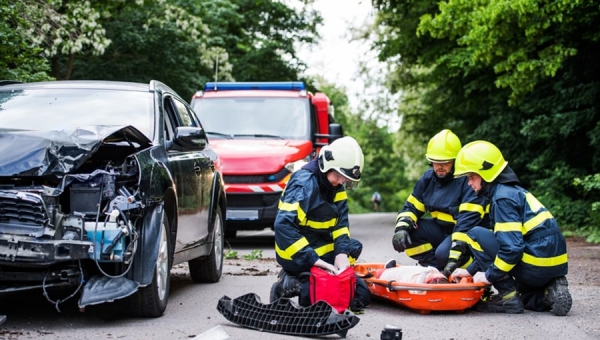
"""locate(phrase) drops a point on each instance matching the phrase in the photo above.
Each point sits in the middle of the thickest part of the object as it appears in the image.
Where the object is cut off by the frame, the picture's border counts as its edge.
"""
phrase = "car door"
(188, 169)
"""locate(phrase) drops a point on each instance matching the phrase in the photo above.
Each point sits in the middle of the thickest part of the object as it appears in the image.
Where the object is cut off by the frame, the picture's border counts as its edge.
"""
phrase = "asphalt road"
(192, 312)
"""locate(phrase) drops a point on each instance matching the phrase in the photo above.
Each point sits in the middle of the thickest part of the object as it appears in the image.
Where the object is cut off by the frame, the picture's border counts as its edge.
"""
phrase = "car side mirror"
(189, 138)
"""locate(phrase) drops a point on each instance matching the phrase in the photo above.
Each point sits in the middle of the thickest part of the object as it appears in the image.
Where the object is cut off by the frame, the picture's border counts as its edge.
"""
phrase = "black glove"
(401, 239)
(459, 254)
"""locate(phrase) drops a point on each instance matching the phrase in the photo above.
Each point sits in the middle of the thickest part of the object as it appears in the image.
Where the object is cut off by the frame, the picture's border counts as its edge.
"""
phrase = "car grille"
(256, 178)
(22, 208)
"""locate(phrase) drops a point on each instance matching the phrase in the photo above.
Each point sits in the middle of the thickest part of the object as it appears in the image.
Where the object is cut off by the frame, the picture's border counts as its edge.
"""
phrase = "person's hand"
(459, 273)
(341, 262)
(401, 239)
(480, 277)
(327, 266)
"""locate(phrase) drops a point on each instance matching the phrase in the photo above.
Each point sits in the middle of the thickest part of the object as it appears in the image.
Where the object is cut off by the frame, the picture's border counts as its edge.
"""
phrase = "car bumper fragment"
(39, 252)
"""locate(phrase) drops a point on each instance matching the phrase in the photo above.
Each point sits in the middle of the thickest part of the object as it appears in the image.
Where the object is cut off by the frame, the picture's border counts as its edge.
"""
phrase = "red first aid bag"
(337, 290)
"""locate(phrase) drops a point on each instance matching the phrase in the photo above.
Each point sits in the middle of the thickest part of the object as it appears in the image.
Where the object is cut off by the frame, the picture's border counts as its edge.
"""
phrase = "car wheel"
(210, 268)
(151, 301)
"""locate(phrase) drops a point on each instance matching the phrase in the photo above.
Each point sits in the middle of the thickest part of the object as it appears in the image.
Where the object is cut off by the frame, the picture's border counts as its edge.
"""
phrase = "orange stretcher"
(421, 297)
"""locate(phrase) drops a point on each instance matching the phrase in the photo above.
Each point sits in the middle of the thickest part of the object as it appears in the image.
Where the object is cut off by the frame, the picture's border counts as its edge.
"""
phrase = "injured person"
(413, 274)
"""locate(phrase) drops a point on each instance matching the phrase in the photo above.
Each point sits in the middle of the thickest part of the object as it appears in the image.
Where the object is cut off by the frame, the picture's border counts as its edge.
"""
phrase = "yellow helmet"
(443, 147)
(343, 155)
(482, 158)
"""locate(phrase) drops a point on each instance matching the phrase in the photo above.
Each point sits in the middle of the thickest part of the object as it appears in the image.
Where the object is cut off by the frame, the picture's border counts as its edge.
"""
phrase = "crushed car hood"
(41, 153)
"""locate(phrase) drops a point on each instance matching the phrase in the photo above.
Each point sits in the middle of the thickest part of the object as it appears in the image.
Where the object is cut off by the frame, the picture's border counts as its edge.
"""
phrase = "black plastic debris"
(390, 332)
(284, 316)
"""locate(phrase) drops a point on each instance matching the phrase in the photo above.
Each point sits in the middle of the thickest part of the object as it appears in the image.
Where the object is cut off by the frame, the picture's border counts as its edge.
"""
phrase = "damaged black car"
(104, 186)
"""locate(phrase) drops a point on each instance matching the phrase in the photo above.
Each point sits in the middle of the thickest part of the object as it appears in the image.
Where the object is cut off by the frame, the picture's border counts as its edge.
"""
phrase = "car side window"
(170, 118)
(184, 115)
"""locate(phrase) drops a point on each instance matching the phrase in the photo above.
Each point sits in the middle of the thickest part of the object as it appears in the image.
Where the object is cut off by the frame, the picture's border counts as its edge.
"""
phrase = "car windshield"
(287, 118)
(66, 109)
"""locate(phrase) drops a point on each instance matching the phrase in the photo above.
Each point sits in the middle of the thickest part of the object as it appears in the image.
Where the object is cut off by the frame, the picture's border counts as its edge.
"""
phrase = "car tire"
(209, 269)
(151, 301)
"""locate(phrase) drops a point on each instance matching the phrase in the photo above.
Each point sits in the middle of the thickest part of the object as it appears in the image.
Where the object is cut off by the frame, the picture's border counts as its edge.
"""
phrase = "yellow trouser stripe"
(463, 237)
(419, 250)
(545, 261)
(292, 249)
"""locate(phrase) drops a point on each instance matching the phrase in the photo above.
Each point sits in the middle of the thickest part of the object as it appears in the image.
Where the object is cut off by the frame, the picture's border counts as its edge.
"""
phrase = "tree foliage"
(183, 43)
(521, 74)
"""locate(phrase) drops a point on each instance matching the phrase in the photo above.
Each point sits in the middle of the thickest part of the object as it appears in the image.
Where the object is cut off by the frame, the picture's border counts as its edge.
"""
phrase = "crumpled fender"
(145, 257)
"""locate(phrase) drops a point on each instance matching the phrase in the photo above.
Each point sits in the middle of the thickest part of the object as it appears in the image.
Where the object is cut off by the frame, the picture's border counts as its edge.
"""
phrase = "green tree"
(520, 74)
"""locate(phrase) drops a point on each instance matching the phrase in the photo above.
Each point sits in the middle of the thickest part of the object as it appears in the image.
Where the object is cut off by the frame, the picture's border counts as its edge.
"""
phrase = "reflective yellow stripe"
(463, 237)
(352, 260)
(324, 249)
(475, 245)
(533, 203)
(454, 254)
(406, 214)
(472, 207)
(443, 216)
(503, 266)
(458, 236)
(537, 220)
(468, 263)
(301, 215)
(419, 250)
(507, 227)
(292, 249)
(288, 206)
(320, 225)
(340, 196)
(414, 201)
(340, 232)
(544, 261)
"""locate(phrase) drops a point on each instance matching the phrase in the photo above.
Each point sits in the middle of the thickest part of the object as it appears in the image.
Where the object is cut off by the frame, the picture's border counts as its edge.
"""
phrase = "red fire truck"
(262, 131)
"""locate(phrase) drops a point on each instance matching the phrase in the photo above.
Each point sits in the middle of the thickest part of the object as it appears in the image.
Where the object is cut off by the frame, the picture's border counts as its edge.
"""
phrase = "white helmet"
(345, 156)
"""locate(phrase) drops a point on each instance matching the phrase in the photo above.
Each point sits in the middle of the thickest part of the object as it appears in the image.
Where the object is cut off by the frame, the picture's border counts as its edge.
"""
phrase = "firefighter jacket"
(450, 201)
(528, 236)
(311, 221)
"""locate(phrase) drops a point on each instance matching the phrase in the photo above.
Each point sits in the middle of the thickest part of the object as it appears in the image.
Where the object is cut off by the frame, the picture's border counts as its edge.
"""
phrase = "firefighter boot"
(507, 300)
(557, 296)
(285, 286)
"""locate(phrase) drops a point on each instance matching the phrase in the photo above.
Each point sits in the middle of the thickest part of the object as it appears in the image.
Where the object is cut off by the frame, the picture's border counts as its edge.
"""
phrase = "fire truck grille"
(270, 178)
(253, 200)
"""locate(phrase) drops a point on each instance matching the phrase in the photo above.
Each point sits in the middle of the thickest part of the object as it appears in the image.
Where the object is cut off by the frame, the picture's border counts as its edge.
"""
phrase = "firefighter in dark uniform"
(311, 226)
(525, 256)
(439, 241)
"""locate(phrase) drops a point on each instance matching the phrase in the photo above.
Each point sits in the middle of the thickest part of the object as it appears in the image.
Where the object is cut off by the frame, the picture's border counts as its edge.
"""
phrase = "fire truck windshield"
(281, 118)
